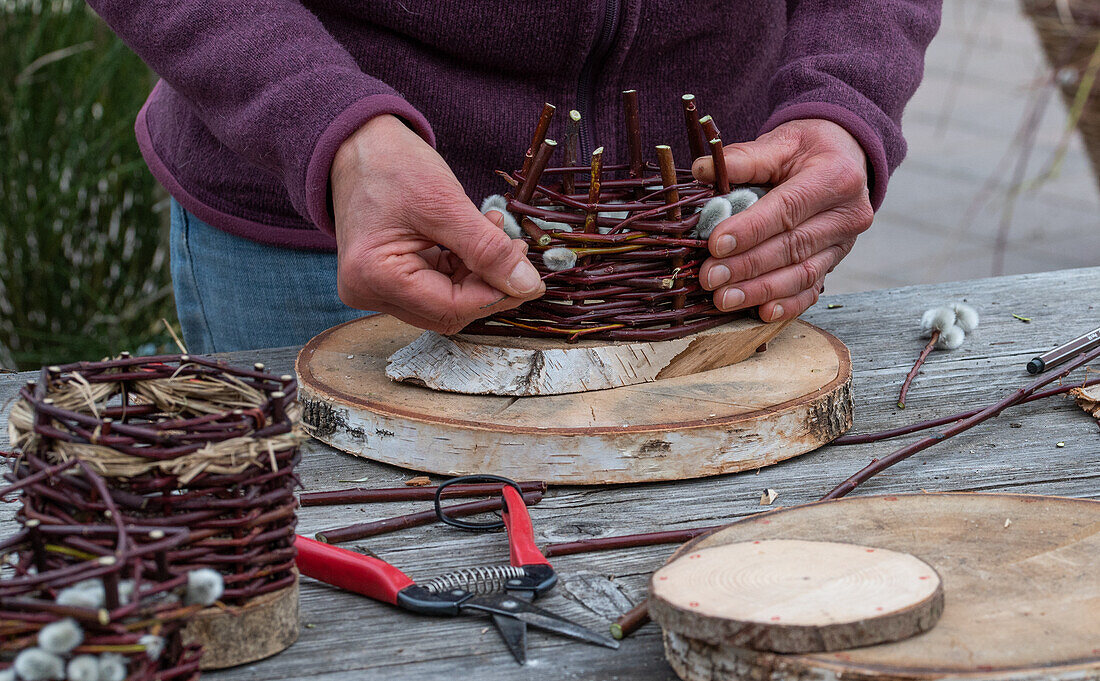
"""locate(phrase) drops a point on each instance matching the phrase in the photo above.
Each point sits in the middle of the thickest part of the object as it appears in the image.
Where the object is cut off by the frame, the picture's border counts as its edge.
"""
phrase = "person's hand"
(776, 253)
(396, 203)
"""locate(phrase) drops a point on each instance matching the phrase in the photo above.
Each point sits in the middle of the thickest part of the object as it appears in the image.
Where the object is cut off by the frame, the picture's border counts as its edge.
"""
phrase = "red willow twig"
(360, 495)
(916, 367)
(925, 425)
(965, 424)
(361, 530)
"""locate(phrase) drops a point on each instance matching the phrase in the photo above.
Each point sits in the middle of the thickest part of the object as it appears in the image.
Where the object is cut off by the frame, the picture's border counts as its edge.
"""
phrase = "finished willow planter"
(95, 596)
(181, 441)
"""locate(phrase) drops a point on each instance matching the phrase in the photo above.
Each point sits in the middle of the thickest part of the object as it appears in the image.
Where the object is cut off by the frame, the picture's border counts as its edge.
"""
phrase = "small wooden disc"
(1021, 589)
(774, 405)
(796, 596)
(262, 627)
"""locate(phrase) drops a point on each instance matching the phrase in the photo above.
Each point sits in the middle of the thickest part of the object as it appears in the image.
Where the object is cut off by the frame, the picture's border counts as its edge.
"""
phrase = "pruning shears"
(504, 592)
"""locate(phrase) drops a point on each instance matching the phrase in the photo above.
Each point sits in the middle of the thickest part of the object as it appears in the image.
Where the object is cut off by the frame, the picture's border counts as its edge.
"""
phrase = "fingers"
(816, 188)
(761, 161)
(826, 229)
(789, 308)
(778, 285)
(485, 249)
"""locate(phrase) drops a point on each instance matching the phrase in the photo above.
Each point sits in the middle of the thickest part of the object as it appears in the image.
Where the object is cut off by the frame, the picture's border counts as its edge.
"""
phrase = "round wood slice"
(774, 405)
(501, 365)
(796, 596)
(266, 625)
(1021, 598)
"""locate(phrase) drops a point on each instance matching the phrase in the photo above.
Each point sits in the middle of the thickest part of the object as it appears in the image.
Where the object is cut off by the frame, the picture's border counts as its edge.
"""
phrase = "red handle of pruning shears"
(521, 535)
(351, 571)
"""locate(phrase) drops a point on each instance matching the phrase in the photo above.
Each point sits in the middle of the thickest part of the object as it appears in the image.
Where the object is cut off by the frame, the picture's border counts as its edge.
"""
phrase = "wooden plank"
(354, 638)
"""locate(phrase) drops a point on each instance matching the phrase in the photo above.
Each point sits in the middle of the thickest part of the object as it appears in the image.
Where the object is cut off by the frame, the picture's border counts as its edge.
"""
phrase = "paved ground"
(983, 70)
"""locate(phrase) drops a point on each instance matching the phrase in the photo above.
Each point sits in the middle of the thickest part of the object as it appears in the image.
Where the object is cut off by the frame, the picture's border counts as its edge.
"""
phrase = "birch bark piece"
(1020, 602)
(491, 365)
(796, 596)
(265, 626)
(772, 406)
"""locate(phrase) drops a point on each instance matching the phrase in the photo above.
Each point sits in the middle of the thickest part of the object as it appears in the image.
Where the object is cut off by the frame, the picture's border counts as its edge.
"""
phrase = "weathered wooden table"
(350, 637)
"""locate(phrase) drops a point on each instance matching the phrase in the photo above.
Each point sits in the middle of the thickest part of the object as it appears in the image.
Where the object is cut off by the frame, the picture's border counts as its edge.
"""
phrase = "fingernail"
(717, 275)
(524, 278)
(731, 298)
(777, 313)
(725, 245)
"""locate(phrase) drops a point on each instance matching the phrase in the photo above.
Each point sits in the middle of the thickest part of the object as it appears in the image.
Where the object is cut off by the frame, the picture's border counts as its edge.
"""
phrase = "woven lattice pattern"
(181, 441)
(618, 245)
(134, 629)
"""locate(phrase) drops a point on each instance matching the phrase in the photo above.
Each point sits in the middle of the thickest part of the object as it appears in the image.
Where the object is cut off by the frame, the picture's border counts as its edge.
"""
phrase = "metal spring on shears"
(479, 580)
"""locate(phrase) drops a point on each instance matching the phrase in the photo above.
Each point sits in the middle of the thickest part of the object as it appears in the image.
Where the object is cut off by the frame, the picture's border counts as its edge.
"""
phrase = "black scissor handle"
(466, 479)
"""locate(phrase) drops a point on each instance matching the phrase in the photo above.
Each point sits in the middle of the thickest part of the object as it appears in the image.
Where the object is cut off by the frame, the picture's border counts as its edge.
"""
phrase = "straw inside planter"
(181, 441)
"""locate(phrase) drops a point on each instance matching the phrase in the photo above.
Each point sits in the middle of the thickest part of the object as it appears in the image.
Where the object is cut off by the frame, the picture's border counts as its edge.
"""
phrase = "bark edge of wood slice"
(262, 627)
(796, 596)
(773, 406)
(499, 365)
(1019, 598)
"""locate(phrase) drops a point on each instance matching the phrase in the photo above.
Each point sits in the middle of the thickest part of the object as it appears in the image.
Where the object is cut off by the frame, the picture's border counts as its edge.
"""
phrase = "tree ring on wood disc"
(795, 596)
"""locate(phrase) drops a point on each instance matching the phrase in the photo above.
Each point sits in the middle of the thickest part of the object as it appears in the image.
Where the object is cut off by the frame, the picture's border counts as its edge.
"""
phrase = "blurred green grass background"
(83, 225)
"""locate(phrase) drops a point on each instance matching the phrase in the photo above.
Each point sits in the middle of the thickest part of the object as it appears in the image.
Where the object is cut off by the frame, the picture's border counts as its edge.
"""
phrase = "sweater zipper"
(590, 71)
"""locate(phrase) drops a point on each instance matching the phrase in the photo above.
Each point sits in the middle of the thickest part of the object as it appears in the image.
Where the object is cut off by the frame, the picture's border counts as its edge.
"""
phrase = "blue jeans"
(235, 294)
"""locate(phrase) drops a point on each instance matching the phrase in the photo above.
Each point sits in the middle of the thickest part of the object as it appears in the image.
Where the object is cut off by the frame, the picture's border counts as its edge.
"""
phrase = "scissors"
(504, 592)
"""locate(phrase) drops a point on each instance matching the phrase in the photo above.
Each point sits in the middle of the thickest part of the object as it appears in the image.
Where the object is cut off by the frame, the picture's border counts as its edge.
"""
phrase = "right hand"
(397, 206)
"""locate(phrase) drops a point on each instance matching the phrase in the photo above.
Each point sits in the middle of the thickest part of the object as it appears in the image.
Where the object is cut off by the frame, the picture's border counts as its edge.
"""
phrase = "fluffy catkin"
(112, 667)
(508, 223)
(154, 646)
(951, 338)
(558, 259)
(714, 211)
(204, 586)
(965, 316)
(82, 668)
(86, 594)
(740, 199)
(35, 664)
(936, 319)
(61, 636)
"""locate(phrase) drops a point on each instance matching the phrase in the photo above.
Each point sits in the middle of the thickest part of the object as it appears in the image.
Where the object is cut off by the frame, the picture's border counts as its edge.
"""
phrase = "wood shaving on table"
(418, 481)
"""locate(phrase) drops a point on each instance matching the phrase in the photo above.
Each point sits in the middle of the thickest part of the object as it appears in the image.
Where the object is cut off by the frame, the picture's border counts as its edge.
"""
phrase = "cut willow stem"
(572, 137)
(710, 129)
(905, 452)
(625, 541)
(361, 495)
(630, 621)
(925, 425)
(531, 179)
(537, 234)
(540, 134)
(696, 141)
(593, 190)
(916, 367)
(721, 175)
(377, 527)
(633, 131)
(668, 179)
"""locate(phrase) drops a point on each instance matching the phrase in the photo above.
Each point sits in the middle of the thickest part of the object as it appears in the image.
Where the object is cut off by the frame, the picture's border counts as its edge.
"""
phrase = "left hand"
(776, 254)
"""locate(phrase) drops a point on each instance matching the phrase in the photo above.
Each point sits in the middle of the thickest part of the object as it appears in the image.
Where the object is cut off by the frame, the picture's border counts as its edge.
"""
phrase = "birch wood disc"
(774, 405)
(499, 365)
(796, 596)
(1020, 602)
(262, 627)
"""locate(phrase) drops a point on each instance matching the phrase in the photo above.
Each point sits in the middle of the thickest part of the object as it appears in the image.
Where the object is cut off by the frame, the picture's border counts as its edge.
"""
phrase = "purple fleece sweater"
(256, 96)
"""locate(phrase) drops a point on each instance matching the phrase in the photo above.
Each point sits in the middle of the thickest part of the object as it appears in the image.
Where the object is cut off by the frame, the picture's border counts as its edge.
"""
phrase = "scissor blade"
(514, 633)
(509, 606)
